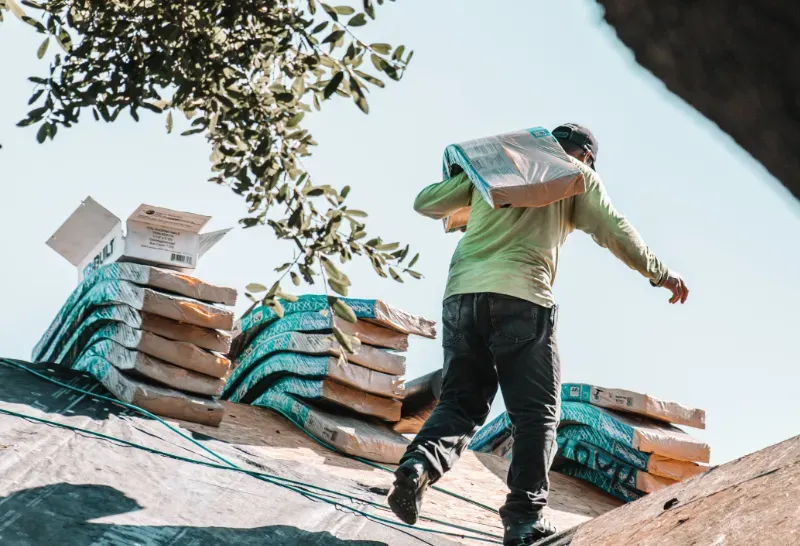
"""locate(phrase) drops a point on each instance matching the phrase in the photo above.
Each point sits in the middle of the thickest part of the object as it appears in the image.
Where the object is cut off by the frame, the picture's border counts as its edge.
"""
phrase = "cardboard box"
(92, 236)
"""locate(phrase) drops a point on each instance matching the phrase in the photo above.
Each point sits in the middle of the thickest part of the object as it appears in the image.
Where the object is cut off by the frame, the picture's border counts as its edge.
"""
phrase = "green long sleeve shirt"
(514, 251)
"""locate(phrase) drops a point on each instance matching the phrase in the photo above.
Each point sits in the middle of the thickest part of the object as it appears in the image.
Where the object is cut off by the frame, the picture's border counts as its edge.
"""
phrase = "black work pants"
(491, 339)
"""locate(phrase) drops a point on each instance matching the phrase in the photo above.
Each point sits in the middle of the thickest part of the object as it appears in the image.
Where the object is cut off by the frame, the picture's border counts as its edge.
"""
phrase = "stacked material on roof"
(628, 451)
(155, 338)
(351, 401)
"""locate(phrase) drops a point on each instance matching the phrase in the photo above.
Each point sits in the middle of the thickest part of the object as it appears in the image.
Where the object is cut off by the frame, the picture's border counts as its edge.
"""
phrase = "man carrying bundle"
(499, 324)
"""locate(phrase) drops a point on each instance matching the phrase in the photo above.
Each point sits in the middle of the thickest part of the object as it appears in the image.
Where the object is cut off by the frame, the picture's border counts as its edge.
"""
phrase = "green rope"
(292, 485)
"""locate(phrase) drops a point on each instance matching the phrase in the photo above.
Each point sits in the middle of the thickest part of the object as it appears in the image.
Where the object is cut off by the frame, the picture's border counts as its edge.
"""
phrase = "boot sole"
(403, 500)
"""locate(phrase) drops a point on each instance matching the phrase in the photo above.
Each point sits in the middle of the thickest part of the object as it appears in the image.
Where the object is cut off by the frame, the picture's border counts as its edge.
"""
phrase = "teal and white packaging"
(526, 168)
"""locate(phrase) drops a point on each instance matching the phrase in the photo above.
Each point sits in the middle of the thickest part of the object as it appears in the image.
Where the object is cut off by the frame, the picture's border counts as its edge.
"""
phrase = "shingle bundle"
(628, 451)
(294, 365)
(155, 338)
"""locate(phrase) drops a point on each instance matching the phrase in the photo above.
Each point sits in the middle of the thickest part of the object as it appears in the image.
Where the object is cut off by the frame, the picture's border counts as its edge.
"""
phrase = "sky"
(703, 205)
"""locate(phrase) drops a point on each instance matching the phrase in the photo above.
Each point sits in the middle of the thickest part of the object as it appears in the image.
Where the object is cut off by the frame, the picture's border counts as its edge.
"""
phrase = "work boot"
(526, 531)
(411, 479)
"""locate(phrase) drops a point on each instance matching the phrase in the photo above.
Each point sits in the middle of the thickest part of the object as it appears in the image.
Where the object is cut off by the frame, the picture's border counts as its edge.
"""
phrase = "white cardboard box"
(92, 236)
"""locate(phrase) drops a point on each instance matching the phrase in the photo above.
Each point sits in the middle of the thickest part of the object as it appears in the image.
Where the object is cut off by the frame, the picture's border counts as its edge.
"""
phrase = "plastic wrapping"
(373, 441)
(638, 432)
(157, 400)
(491, 435)
(265, 373)
(526, 168)
(178, 353)
(155, 369)
(314, 321)
(422, 397)
(632, 402)
(265, 346)
(654, 464)
(595, 458)
(144, 275)
(79, 333)
(331, 392)
(375, 311)
(143, 299)
(609, 485)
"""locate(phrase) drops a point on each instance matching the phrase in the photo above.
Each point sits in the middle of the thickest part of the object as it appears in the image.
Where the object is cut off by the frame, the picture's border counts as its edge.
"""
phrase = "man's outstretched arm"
(440, 200)
(595, 215)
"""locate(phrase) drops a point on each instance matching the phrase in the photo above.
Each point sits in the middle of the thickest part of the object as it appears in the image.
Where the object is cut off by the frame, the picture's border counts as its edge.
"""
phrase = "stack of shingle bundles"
(294, 365)
(155, 338)
(621, 441)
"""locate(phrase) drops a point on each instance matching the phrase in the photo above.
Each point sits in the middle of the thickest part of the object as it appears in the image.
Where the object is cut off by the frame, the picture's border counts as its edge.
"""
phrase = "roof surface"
(71, 488)
(753, 500)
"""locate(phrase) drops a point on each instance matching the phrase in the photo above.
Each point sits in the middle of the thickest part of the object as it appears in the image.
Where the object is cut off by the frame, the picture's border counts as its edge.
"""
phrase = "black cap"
(579, 135)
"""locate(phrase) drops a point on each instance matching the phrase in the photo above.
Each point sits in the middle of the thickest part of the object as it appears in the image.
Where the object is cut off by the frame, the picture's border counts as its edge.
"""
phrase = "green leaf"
(42, 133)
(274, 290)
(35, 96)
(276, 306)
(34, 23)
(296, 219)
(333, 37)
(255, 288)
(295, 278)
(64, 40)
(285, 296)
(378, 62)
(320, 27)
(333, 84)
(358, 21)
(394, 275)
(334, 272)
(342, 310)
(294, 120)
(43, 48)
(398, 53)
(337, 287)
(414, 274)
(355, 213)
(345, 191)
(361, 102)
(344, 340)
(371, 79)
(388, 247)
(32, 4)
(413, 261)
(369, 8)
(344, 10)
(383, 49)
(169, 122)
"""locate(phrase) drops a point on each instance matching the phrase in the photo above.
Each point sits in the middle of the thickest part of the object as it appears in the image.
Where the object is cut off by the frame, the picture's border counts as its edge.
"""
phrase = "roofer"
(499, 327)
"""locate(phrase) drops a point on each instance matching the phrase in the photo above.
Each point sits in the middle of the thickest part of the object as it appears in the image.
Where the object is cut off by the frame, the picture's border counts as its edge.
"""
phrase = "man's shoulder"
(590, 177)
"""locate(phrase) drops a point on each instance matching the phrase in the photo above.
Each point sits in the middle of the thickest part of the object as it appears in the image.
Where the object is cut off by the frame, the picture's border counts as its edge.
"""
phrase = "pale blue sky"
(705, 207)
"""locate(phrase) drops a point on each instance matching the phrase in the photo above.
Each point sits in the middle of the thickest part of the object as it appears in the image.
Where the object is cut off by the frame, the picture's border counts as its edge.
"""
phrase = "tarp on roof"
(68, 488)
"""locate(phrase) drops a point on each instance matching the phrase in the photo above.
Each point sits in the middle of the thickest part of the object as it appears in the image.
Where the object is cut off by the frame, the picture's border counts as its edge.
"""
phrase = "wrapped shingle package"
(526, 168)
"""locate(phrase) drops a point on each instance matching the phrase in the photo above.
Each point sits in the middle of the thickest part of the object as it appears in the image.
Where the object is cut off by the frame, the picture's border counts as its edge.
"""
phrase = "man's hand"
(677, 286)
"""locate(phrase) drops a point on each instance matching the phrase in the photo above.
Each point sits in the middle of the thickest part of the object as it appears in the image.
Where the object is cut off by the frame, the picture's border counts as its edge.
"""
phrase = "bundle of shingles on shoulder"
(623, 442)
(357, 403)
(154, 338)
